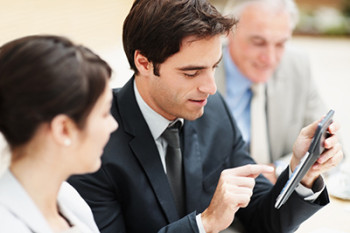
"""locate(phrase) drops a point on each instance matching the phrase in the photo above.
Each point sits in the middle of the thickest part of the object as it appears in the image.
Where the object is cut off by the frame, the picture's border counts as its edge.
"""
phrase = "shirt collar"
(156, 123)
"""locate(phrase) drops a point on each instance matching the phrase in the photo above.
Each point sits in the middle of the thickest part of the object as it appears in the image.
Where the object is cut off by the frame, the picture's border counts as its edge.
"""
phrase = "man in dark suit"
(173, 48)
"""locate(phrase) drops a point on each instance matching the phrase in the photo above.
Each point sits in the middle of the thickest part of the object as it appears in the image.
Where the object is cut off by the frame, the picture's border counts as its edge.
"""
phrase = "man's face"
(186, 79)
(257, 45)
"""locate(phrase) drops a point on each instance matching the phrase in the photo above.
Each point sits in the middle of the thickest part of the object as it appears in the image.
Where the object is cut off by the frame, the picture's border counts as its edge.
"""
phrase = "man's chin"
(194, 115)
(262, 77)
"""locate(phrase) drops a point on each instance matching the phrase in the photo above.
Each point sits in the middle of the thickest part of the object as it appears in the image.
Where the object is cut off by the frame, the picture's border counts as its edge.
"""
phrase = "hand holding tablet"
(314, 152)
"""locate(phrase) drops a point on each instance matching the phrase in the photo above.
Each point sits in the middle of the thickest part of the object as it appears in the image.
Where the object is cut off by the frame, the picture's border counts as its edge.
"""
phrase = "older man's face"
(257, 45)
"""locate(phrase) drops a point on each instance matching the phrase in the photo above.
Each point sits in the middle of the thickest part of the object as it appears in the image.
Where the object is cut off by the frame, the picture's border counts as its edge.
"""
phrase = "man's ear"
(63, 129)
(143, 65)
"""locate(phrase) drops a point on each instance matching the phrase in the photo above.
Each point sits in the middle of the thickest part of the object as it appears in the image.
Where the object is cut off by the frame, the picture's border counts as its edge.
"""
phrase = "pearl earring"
(67, 142)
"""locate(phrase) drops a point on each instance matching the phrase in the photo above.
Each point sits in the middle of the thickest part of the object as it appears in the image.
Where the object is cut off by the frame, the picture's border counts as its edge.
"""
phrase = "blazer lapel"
(192, 167)
(73, 219)
(145, 149)
(17, 201)
(275, 117)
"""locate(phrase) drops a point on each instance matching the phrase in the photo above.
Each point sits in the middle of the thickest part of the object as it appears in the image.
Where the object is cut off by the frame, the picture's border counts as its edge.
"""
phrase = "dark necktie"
(173, 160)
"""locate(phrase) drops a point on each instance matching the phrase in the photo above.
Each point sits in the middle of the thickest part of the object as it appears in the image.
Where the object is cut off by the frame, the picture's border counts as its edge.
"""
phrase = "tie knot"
(171, 134)
(258, 88)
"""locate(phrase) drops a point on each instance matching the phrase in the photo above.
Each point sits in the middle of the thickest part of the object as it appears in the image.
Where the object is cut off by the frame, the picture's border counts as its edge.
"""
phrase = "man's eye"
(191, 75)
(258, 42)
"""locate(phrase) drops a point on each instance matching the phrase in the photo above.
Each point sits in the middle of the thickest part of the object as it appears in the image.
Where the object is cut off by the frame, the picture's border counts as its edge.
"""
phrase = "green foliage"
(325, 21)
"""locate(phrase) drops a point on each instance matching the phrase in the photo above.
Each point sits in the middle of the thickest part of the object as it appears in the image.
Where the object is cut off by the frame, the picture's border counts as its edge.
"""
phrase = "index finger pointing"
(252, 170)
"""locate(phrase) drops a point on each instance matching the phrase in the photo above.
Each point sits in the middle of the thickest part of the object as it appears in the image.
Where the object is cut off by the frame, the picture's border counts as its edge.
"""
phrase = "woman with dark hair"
(55, 115)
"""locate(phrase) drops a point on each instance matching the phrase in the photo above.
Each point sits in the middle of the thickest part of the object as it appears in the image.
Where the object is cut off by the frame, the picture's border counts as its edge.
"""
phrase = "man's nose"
(269, 56)
(208, 86)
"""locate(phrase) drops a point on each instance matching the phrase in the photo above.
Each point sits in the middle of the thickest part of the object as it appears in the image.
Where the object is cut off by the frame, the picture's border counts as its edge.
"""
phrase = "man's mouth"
(201, 102)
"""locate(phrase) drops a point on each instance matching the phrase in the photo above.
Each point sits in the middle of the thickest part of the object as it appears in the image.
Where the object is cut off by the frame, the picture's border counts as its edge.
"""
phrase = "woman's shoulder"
(10, 223)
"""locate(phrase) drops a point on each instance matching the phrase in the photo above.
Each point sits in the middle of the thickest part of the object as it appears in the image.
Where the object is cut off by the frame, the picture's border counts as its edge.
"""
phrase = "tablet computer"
(315, 149)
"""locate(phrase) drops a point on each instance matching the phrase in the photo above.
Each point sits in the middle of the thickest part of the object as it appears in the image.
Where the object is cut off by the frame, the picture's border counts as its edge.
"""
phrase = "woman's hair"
(42, 77)
(157, 27)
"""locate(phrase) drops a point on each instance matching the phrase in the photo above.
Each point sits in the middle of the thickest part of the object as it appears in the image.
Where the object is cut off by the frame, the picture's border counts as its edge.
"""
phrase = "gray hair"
(236, 7)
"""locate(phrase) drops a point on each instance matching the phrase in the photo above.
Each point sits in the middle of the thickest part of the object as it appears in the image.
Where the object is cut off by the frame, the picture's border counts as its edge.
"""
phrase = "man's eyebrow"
(191, 67)
(194, 67)
(255, 37)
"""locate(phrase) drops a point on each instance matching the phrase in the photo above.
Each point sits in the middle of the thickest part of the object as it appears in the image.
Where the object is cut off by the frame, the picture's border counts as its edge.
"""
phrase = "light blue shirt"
(238, 95)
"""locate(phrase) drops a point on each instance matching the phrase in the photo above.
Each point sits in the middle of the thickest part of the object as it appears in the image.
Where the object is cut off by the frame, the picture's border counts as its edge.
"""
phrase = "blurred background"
(323, 32)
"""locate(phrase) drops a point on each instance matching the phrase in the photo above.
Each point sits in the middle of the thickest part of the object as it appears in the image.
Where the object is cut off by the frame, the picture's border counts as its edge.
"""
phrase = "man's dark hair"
(157, 27)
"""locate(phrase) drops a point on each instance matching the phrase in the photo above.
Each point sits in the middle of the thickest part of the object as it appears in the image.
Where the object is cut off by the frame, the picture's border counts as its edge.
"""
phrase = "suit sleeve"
(261, 214)
(187, 224)
(107, 210)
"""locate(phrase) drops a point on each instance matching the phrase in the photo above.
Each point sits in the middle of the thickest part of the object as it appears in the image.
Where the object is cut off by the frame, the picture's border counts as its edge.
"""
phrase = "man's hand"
(330, 157)
(234, 189)
(271, 176)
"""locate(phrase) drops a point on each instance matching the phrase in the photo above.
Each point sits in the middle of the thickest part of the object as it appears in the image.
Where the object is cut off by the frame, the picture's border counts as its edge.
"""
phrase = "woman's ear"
(63, 129)
(143, 65)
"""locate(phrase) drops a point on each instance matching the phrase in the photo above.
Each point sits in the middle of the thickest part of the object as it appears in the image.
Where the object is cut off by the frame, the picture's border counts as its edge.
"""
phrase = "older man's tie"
(259, 147)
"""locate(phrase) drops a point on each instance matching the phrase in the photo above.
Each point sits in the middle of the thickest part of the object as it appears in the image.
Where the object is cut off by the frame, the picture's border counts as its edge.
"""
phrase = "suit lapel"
(73, 219)
(145, 149)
